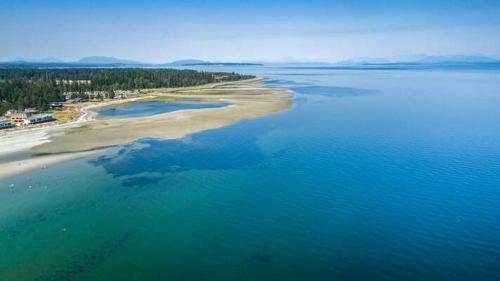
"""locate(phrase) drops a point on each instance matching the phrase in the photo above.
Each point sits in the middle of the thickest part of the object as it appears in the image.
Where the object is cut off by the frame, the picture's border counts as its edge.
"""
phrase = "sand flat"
(248, 99)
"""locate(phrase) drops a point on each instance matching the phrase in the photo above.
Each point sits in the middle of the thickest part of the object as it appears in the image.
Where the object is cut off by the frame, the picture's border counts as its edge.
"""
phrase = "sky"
(296, 30)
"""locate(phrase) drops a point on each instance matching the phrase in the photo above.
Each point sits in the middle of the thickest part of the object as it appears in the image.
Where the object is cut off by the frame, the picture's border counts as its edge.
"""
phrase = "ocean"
(372, 174)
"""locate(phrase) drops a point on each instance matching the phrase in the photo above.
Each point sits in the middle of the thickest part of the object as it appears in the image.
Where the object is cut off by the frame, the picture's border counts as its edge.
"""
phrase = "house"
(56, 105)
(40, 118)
(30, 111)
(88, 94)
(97, 94)
(75, 101)
(123, 94)
(16, 116)
(20, 116)
(69, 95)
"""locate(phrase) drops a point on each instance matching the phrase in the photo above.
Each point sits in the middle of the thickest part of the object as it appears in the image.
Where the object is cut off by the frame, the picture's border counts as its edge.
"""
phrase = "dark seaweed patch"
(227, 148)
(85, 262)
(261, 257)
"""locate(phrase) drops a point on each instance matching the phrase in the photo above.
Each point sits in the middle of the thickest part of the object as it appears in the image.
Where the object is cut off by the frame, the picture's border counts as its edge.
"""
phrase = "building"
(70, 95)
(40, 118)
(97, 95)
(30, 111)
(16, 116)
(20, 116)
(75, 101)
(4, 124)
(123, 94)
(56, 105)
(88, 94)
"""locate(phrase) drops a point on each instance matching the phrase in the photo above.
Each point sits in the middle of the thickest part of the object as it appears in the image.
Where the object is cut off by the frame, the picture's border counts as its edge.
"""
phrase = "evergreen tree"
(29, 87)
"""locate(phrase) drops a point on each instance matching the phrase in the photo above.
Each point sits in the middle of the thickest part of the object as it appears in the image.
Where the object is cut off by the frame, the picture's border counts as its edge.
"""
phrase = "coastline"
(90, 134)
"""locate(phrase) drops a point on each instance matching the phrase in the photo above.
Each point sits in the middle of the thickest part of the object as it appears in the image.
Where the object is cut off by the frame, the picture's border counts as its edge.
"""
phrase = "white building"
(40, 118)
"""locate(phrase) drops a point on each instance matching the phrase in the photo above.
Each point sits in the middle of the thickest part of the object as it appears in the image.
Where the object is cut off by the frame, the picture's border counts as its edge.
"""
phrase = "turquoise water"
(371, 175)
(138, 109)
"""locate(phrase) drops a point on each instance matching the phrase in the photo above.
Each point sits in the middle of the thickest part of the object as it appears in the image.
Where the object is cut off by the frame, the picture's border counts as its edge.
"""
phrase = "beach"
(35, 148)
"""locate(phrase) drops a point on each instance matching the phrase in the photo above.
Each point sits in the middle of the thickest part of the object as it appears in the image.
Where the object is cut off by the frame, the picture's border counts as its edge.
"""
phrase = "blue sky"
(161, 31)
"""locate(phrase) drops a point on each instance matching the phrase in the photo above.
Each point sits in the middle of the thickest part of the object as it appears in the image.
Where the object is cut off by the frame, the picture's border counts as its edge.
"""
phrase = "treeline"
(31, 87)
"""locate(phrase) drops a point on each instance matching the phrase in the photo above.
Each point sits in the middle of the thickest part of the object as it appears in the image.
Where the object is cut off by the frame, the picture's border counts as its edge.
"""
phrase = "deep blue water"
(371, 175)
(138, 109)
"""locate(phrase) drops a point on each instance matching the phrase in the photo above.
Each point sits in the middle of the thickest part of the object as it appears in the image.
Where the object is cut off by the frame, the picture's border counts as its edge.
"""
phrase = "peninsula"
(90, 133)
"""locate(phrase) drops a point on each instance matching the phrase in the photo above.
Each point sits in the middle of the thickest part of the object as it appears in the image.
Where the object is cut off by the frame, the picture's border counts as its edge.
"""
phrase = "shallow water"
(371, 175)
(139, 109)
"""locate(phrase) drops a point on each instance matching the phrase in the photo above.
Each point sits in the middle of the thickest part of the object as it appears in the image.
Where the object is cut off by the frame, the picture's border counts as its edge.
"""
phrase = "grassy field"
(65, 115)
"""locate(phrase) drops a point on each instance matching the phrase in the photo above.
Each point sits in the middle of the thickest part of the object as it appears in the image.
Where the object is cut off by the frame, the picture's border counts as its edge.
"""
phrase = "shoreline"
(87, 114)
(89, 134)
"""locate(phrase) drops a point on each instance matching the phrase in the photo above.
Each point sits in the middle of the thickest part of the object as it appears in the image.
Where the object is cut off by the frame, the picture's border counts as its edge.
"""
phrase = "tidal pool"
(140, 109)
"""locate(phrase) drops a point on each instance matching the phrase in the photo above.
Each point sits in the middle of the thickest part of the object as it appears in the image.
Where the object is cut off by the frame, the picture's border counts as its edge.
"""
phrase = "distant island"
(209, 63)
(223, 64)
(420, 62)
(103, 61)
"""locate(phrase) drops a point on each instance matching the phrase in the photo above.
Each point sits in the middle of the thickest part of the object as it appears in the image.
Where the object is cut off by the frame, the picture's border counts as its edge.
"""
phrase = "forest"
(21, 88)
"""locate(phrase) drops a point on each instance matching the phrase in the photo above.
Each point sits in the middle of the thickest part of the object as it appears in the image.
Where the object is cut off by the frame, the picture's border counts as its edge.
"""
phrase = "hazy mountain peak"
(105, 60)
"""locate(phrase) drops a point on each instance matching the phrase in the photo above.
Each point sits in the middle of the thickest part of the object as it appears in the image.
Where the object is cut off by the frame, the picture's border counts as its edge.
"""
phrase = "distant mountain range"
(185, 62)
(106, 60)
(43, 60)
(97, 61)
(422, 61)
(207, 63)
(459, 59)
(87, 61)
